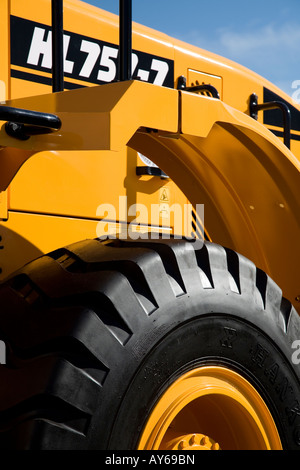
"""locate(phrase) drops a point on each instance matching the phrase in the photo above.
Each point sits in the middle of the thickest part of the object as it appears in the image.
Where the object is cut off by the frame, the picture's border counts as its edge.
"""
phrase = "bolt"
(215, 446)
(204, 441)
(193, 439)
(182, 444)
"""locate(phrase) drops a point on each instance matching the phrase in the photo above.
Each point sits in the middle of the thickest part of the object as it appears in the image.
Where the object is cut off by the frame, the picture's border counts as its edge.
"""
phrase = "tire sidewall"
(211, 339)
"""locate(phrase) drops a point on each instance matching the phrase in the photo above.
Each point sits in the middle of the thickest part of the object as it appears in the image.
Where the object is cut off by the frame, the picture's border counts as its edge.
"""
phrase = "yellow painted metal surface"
(254, 175)
(93, 24)
(102, 117)
(195, 78)
(246, 179)
(25, 235)
(5, 48)
(213, 152)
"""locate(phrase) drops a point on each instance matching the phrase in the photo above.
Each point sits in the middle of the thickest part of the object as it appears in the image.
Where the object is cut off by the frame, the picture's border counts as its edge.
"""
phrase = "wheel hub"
(215, 400)
(193, 442)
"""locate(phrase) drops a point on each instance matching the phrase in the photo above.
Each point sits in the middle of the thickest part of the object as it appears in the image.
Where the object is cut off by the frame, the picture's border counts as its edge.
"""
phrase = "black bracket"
(151, 171)
(181, 85)
(254, 107)
(22, 123)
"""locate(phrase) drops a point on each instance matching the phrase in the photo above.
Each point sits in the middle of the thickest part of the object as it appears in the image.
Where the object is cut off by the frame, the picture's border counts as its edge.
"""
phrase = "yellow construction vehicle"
(150, 261)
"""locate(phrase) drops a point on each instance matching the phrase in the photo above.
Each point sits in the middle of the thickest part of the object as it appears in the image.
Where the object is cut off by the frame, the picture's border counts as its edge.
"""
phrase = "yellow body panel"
(213, 152)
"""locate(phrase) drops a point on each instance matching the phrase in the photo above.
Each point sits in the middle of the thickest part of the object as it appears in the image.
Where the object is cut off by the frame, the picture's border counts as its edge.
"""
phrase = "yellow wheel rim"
(210, 408)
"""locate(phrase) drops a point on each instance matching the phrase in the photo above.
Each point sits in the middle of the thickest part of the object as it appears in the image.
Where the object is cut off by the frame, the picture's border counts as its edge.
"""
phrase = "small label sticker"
(164, 211)
(164, 195)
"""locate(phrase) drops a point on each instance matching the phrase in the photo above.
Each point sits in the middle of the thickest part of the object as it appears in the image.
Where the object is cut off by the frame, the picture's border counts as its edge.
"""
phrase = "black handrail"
(204, 87)
(254, 107)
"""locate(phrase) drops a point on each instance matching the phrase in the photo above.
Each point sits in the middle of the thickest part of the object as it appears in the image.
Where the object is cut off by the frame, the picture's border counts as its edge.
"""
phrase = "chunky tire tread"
(69, 317)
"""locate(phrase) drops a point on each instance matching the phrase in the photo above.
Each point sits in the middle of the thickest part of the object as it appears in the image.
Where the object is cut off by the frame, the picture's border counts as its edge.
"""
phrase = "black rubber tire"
(95, 332)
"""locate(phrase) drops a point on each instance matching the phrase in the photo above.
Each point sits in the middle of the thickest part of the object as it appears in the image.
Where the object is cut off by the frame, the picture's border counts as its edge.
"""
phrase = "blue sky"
(263, 35)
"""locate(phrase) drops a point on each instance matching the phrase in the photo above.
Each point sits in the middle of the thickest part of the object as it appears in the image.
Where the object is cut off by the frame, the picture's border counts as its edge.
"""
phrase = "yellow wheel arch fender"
(246, 178)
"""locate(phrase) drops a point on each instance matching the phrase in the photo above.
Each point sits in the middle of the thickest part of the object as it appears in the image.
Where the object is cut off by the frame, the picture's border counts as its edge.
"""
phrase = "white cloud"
(271, 50)
(269, 37)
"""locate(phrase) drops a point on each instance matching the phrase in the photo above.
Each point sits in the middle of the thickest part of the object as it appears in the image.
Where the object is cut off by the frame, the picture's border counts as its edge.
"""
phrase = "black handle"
(150, 171)
(254, 107)
(204, 87)
(21, 123)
